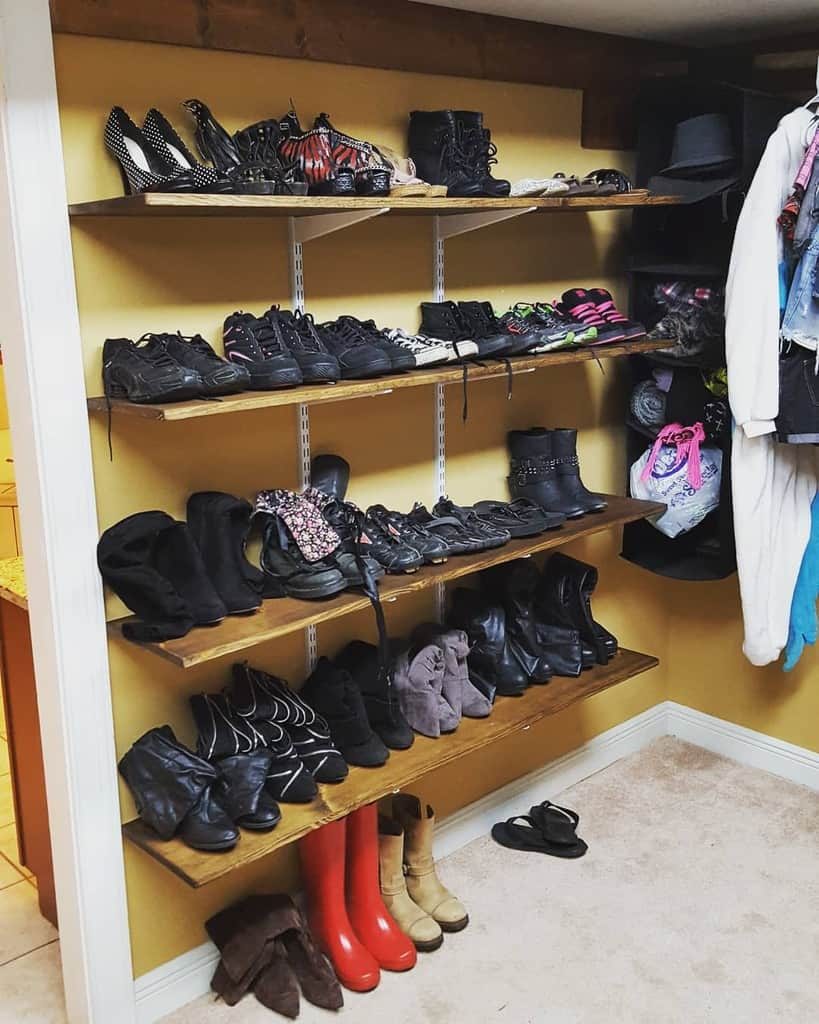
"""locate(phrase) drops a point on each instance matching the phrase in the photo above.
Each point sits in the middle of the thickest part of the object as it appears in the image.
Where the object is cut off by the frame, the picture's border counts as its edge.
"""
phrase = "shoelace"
(268, 337)
(292, 337)
(198, 343)
(687, 441)
(346, 333)
(585, 312)
(305, 327)
(610, 312)
(479, 143)
(454, 157)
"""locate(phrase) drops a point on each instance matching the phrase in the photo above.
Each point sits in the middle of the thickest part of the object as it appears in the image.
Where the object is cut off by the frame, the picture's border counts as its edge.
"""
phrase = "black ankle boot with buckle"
(544, 467)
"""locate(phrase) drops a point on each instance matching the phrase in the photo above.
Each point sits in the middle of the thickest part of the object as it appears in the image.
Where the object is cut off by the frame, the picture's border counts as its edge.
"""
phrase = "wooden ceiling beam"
(392, 34)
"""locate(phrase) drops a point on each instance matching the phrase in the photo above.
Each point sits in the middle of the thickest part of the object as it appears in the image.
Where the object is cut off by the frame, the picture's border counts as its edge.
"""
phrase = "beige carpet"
(698, 901)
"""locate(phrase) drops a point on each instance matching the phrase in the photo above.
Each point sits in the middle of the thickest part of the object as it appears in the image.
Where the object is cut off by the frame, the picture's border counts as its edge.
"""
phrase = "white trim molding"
(40, 330)
(755, 749)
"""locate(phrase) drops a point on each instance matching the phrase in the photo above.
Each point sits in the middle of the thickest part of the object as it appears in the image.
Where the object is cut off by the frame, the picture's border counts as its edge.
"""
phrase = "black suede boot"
(514, 585)
(566, 588)
(126, 560)
(492, 667)
(567, 466)
(220, 525)
(179, 560)
(481, 152)
(384, 712)
(436, 145)
(173, 791)
(332, 692)
(533, 473)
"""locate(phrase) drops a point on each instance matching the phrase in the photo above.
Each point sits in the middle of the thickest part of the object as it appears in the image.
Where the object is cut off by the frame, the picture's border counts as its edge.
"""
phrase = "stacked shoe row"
(451, 153)
(315, 544)
(283, 349)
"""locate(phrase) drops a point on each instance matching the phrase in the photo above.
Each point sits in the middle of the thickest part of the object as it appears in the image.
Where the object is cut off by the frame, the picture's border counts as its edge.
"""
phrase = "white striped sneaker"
(431, 351)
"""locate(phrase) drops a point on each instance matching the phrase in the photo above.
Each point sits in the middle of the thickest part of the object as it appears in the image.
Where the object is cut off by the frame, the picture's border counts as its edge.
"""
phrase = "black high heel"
(143, 168)
(166, 141)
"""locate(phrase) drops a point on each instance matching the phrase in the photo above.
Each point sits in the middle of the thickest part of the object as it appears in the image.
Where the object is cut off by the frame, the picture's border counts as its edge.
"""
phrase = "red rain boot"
(322, 871)
(370, 919)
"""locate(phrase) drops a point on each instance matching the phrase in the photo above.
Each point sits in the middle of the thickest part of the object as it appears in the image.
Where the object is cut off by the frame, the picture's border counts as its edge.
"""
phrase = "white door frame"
(40, 334)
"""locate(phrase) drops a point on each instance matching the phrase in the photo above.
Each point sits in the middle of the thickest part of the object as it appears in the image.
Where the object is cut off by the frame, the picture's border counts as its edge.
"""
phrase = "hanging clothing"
(774, 484)
(803, 607)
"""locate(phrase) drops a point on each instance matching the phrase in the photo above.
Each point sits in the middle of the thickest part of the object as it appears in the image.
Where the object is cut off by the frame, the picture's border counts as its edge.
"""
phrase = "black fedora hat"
(703, 160)
(702, 146)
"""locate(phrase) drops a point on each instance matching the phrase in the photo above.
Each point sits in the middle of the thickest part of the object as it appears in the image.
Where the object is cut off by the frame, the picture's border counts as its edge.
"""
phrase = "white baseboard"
(187, 977)
(786, 760)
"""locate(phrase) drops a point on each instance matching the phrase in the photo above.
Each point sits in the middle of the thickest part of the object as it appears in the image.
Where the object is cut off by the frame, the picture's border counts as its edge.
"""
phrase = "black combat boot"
(481, 152)
(436, 145)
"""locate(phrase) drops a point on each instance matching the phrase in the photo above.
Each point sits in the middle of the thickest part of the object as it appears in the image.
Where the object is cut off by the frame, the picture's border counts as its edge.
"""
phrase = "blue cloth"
(802, 628)
(801, 320)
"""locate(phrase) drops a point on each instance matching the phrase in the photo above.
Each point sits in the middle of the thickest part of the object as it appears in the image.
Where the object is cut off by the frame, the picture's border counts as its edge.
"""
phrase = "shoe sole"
(428, 945)
(312, 593)
(454, 926)
(285, 379)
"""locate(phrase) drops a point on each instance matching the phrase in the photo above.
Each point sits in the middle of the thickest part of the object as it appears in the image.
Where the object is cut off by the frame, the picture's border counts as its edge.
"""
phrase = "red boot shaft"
(371, 920)
(322, 854)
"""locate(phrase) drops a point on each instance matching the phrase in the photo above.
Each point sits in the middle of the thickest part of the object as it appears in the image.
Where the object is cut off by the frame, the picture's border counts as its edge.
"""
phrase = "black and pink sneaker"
(609, 311)
(580, 305)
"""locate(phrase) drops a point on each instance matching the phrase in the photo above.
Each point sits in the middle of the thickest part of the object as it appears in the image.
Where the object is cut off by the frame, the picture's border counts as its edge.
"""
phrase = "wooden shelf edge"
(366, 785)
(248, 401)
(280, 616)
(179, 204)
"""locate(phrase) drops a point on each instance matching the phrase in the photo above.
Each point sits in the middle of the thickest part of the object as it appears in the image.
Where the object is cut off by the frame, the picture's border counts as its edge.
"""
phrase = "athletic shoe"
(583, 335)
(611, 314)
(145, 373)
(400, 358)
(491, 334)
(446, 320)
(427, 351)
(300, 337)
(357, 357)
(577, 304)
(254, 343)
(554, 331)
(434, 549)
(218, 376)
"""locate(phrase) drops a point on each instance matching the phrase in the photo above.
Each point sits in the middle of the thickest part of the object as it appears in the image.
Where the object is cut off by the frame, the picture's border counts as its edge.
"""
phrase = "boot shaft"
(391, 857)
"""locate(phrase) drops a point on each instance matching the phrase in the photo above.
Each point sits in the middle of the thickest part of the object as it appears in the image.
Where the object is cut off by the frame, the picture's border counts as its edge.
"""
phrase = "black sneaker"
(219, 377)
(352, 557)
(459, 539)
(400, 358)
(489, 333)
(257, 345)
(315, 362)
(387, 547)
(357, 357)
(434, 549)
(493, 536)
(145, 373)
(521, 517)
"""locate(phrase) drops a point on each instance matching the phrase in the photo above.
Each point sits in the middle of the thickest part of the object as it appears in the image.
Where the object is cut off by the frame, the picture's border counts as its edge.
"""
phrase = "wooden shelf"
(168, 204)
(365, 785)
(319, 393)
(279, 616)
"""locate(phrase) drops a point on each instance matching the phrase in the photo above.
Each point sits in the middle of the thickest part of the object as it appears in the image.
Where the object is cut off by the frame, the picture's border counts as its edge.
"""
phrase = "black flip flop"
(558, 824)
(529, 838)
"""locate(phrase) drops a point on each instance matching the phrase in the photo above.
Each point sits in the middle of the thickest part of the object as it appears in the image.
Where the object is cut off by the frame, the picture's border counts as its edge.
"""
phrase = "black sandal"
(528, 838)
(559, 824)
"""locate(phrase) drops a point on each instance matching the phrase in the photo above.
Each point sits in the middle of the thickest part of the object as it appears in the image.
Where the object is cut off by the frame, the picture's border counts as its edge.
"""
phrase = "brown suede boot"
(410, 918)
(276, 986)
(423, 885)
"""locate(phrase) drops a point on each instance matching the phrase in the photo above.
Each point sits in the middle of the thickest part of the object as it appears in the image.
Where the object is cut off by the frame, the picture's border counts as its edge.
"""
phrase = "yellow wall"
(138, 275)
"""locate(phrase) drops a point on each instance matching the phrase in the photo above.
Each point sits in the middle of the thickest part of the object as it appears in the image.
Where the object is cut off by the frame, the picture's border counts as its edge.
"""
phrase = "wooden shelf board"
(344, 390)
(169, 204)
(404, 767)
(279, 616)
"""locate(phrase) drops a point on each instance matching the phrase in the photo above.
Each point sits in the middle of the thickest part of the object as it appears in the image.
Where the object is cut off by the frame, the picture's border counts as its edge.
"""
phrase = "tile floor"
(30, 978)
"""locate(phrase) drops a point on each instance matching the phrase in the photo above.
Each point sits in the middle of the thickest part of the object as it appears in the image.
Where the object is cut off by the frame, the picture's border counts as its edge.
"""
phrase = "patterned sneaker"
(578, 304)
(583, 335)
(611, 314)
(427, 351)
(555, 332)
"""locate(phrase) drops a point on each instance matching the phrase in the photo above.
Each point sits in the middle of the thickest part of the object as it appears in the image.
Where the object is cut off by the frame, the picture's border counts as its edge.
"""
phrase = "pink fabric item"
(806, 167)
(687, 441)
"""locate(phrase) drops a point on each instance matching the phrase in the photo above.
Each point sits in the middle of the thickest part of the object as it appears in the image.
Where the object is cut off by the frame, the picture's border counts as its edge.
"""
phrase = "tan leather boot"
(410, 918)
(423, 885)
